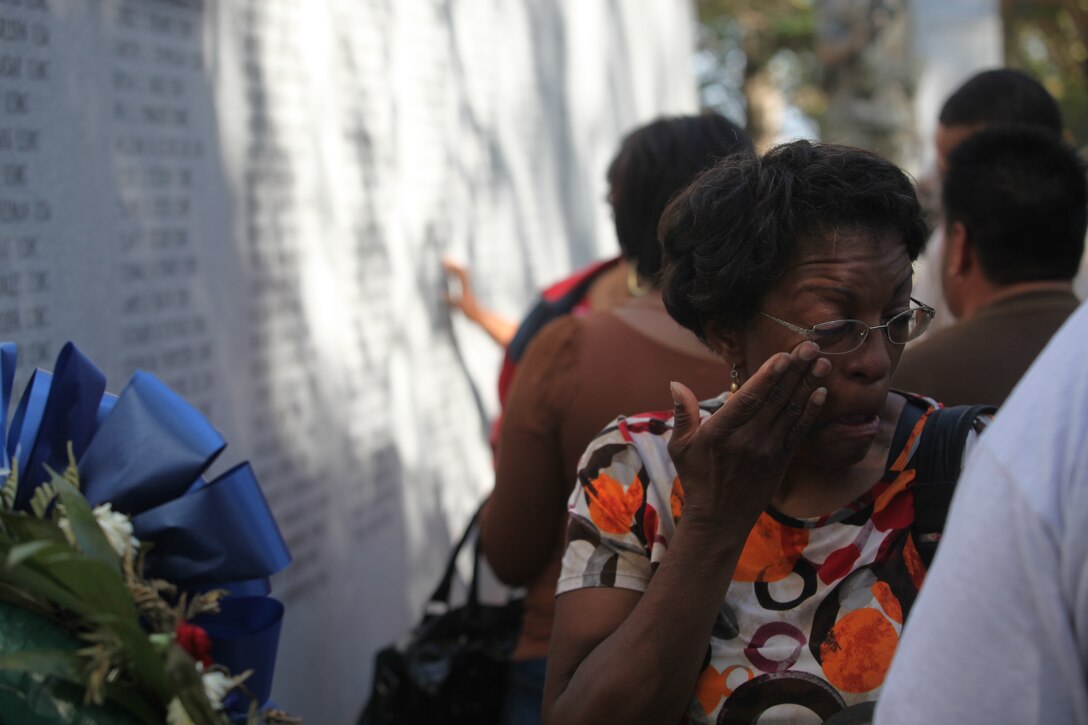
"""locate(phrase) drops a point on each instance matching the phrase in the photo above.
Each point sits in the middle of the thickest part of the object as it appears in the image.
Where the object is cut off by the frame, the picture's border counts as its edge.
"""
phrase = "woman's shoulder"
(651, 331)
(929, 431)
(554, 349)
(560, 332)
(922, 402)
(657, 425)
(647, 433)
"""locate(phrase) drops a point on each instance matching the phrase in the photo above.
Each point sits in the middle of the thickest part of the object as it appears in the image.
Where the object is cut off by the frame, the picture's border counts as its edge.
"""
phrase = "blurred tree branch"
(1049, 38)
(759, 35)
(747, 39)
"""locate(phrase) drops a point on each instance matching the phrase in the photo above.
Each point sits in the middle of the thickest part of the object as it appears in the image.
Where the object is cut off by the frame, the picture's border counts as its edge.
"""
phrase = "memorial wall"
(251, 198)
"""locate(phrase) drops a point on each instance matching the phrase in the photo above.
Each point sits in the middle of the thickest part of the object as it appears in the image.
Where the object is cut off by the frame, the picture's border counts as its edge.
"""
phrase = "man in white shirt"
(999, 633)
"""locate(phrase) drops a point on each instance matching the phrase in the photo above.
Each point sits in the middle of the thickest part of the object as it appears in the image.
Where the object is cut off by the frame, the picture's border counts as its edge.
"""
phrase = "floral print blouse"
(816, 606)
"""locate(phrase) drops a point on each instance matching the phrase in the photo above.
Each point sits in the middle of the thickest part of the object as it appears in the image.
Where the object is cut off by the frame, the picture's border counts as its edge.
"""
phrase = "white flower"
(117, 528)
(114, 524)
(176, 714)
(216, 686)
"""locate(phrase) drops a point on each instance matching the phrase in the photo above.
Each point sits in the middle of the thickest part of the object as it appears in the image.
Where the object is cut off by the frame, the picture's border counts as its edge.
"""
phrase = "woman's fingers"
(465, 298)
(783, 394)
(773, 388)
(454, 268)
(685, 419)
(750, 399)
(777, 406)
(795, 434)
(464, 279)
(789, 413)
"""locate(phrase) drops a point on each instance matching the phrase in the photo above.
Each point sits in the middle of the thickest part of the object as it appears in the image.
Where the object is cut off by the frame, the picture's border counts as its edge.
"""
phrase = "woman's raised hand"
(731, 464)
(465, 298)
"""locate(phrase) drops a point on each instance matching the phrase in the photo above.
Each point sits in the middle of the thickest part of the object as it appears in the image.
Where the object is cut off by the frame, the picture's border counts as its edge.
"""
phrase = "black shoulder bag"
(452, 669)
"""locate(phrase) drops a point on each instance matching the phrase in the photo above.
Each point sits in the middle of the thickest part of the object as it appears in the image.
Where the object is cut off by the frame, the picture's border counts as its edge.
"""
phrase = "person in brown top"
(581, 372)
(994, 97)
(1015, 207)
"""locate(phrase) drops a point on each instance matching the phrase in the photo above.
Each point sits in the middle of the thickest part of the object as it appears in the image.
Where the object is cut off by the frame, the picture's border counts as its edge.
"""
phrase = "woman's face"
(859, 275)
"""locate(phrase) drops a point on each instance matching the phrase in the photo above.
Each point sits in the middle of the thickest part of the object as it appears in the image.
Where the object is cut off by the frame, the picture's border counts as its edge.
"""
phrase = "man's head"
(1016, 209)
(992, 98)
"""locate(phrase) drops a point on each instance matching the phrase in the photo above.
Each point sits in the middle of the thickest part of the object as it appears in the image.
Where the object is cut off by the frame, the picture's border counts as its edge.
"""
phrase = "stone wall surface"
(250, 198)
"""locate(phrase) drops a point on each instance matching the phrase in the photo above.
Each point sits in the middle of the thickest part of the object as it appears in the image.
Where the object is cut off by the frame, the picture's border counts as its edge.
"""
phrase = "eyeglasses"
(839, 337)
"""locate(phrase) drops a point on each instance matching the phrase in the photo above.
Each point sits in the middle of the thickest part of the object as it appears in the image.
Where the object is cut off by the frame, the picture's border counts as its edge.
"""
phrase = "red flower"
(195, 641)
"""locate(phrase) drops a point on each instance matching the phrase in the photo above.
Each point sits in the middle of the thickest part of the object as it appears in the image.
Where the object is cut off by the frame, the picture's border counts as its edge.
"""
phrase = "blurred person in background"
(1015, 202)
(581, 371)
(595, 288)
(996, 97)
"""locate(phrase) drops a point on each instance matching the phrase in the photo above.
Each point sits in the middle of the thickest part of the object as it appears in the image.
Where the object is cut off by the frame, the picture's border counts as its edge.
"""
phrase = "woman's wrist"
(713, 533)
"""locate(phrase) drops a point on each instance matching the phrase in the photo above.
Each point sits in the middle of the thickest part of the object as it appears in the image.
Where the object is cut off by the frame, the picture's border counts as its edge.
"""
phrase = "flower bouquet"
(132, 589)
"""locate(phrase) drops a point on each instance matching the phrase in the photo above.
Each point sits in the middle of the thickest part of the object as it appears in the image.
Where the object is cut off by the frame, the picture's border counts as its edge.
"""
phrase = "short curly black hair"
(729, 236)
(654, 163)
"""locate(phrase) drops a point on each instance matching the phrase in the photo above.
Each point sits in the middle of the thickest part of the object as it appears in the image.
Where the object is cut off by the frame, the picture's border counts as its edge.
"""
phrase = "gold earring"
(635, 288)
(735, 374)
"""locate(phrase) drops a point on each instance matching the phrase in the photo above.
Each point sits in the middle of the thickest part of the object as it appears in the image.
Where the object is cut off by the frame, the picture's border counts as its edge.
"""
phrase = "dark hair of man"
(1022, 195)
(653, 164)
(1002, 96)
(729, 236)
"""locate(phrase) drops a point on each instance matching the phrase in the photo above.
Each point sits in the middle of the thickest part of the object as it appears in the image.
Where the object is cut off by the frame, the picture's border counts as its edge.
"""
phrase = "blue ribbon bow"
(145, 452)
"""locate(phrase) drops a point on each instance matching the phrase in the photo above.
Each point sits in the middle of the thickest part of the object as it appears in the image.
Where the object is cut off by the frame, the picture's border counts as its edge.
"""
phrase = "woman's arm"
(624, 657)
(523, 521)
(620, 656)
(501, 329)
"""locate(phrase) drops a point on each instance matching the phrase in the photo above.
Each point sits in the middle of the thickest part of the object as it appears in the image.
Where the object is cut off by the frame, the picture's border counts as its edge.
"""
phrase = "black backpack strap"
(937, 464)
(908, 418)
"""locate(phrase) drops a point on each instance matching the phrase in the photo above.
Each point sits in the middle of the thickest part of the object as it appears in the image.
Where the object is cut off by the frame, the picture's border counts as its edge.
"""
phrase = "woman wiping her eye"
(750, 558)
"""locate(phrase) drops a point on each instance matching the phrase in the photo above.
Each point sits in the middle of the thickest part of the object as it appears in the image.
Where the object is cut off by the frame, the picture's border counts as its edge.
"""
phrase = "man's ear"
(959, 256)
(957, 265)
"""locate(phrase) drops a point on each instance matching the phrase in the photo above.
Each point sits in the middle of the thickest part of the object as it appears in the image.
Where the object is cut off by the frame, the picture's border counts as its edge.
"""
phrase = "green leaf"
(46, 587)
(35, 691)
(146, 664)
(22, 528)
(84, 525)
(15, 596)
(68, 666)
(22, 552)
(136, 703)
(189, 687)
(69, 579)
(97, 583)
(54, 662)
